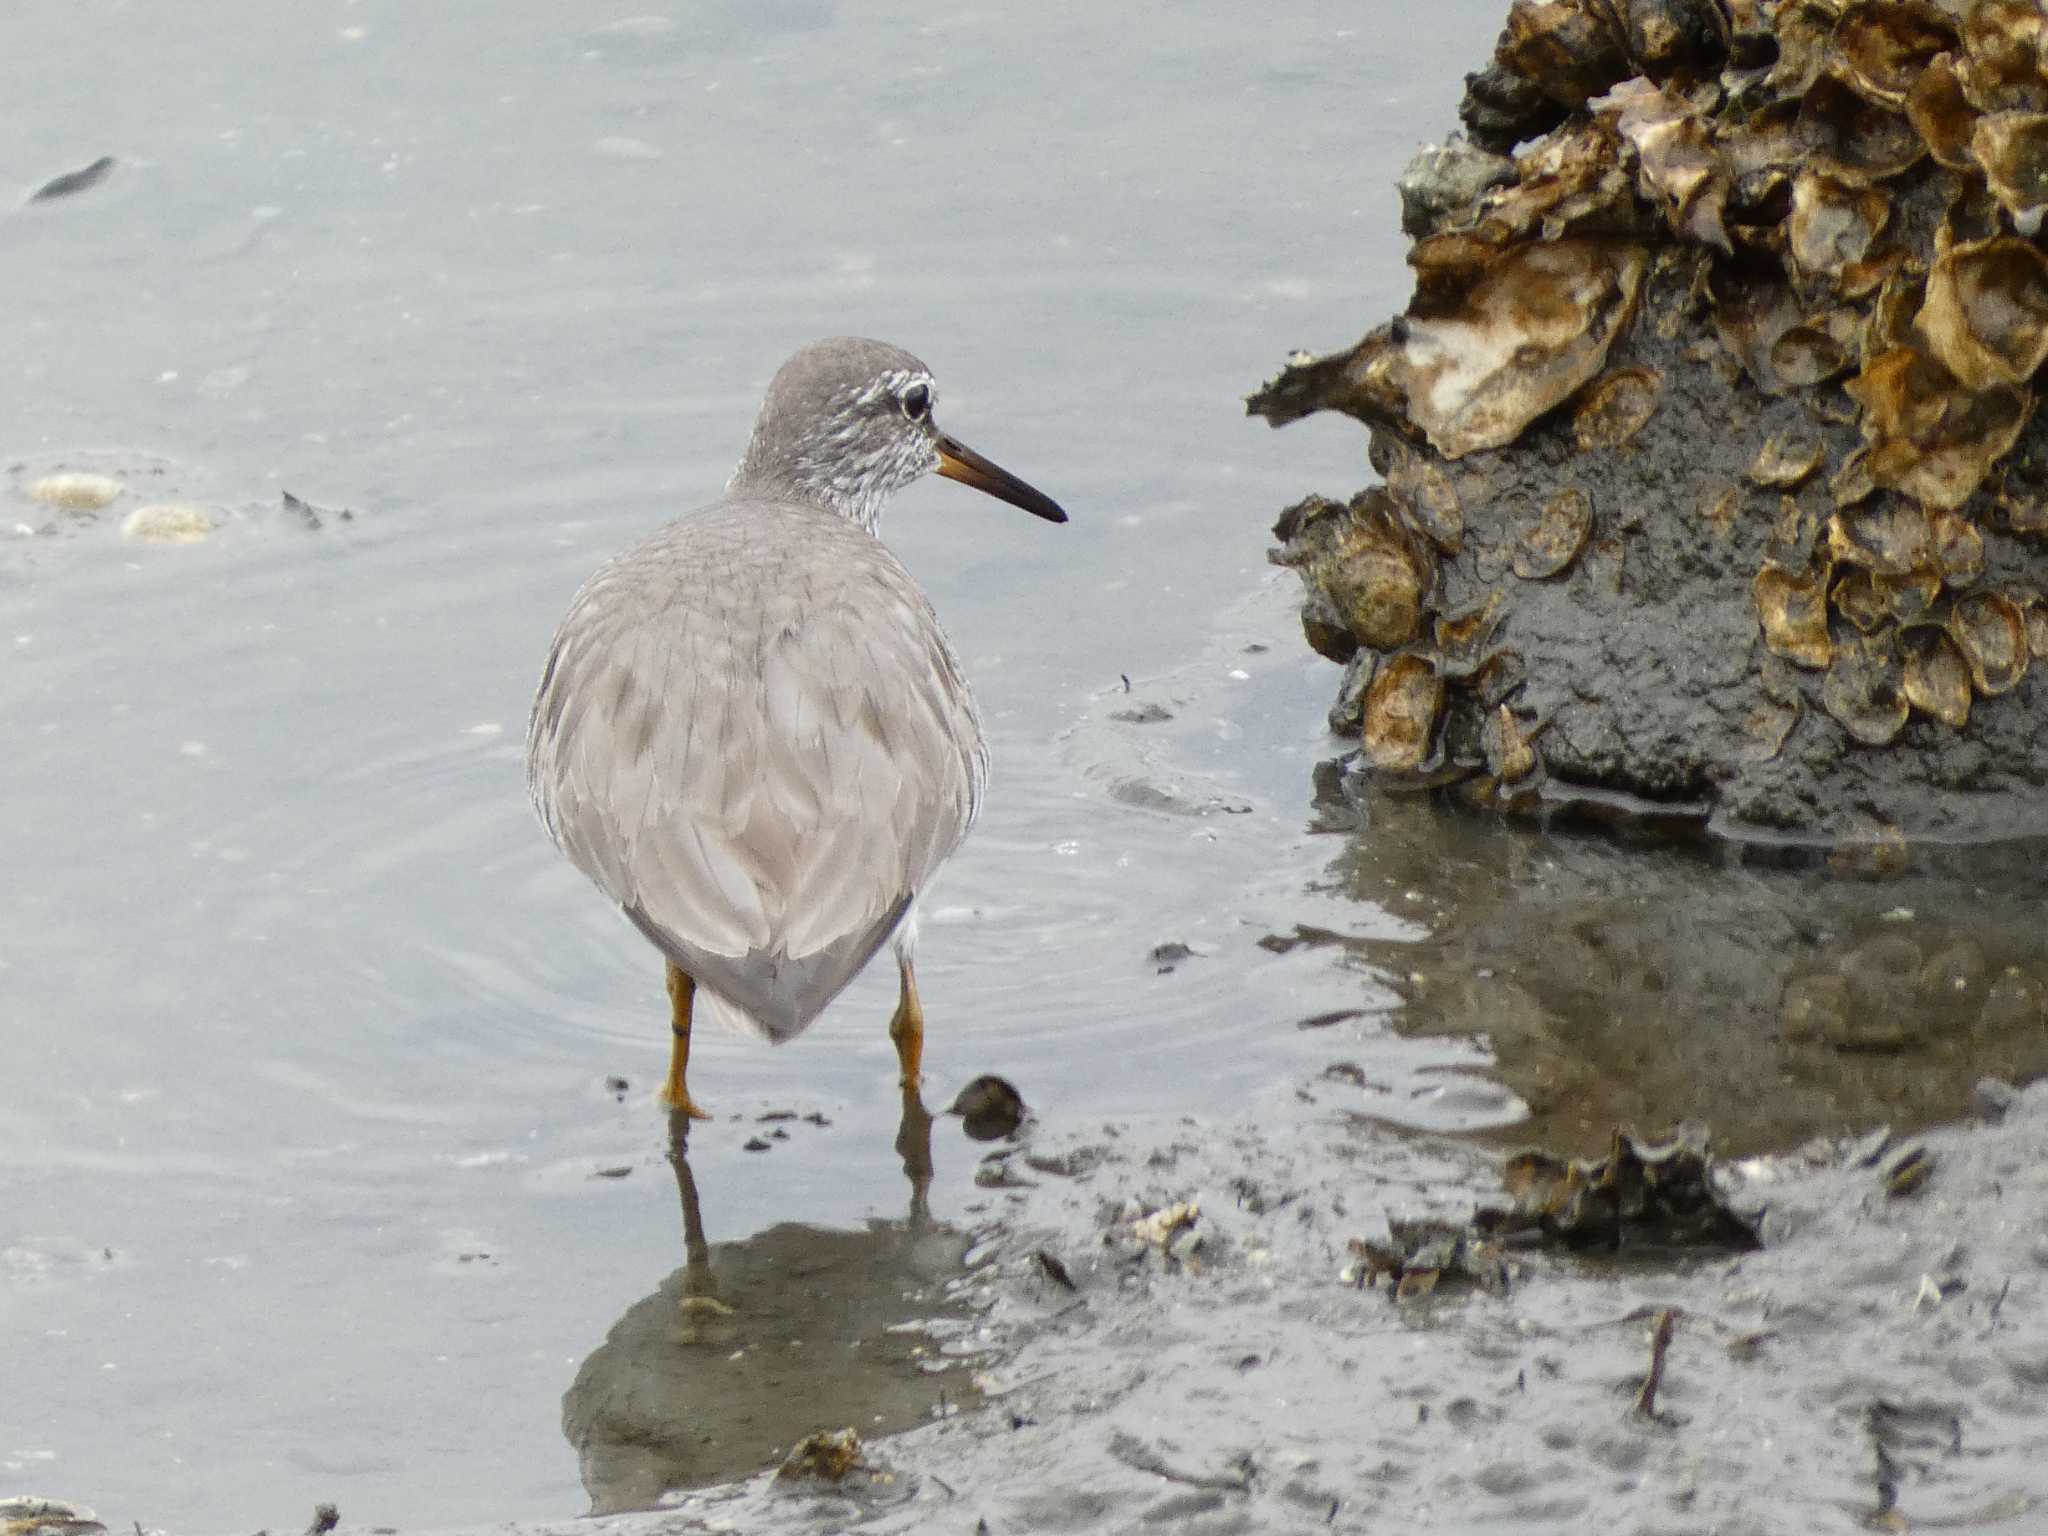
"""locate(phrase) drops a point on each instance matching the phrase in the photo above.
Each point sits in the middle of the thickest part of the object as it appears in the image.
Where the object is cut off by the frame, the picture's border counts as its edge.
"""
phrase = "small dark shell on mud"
(1615, 407)
(1786, 465)
(1401, 709)
(1990, 630)
(1862, 690)
(1986, 313)
(1937, 682)
(1549, 545)
(1791, 607)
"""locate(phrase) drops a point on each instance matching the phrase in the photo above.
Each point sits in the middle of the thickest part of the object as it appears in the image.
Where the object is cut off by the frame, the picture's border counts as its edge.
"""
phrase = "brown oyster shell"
(1430, 498)
(2003, 49)
(1862, 690)
(1519, 342)
(1678, 166)
(1509, 755)
(1889, 538)
(1957, 547)
(1881, 46)
(1615, 407)
(1401, 709)
(1791, 608)
(1936, 680)
(1941, 114)
(1553, 540)
(2012, 148)
(1855, 139)
(1677, 37)
(1568, 49)
(1929, 436)
(1990, 630)
(1834, 223)
(1986, 311)
(1851, 482)
(1786, 465)
(1374, 573)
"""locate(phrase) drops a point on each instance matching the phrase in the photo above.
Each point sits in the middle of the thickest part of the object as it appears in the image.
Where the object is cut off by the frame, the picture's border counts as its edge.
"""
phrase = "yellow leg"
(907, 1029)
(674, 1092)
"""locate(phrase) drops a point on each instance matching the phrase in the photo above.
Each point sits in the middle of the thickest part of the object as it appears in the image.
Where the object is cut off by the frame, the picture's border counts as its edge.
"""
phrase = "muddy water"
(329, 1171)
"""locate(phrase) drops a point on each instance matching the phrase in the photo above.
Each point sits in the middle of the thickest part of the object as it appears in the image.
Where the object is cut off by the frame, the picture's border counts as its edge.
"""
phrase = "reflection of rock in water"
(753, 1345)
(1619, 987)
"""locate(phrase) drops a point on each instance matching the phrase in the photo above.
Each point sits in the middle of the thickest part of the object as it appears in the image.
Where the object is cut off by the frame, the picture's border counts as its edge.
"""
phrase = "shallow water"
(313, 1186)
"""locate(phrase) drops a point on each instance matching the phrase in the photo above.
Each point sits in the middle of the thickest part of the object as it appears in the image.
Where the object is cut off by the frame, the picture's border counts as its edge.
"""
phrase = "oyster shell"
(1986, 312)
(1615, 407)
(1880, 49)
(1549, 544)
(1401, 709)
(1936, 680)
(1941, 115)
(1786, 466)
(1990, 630)
(1929, 436)
(1791, 608)
(1374, 573)
(1862, 690)
(2012, 148)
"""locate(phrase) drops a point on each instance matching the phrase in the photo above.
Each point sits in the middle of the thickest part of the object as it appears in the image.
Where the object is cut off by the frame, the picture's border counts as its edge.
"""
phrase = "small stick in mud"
(1660, 1342)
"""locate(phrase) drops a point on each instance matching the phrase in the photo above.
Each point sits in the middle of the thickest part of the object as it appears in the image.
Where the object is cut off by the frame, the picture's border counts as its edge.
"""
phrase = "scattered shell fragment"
(27, 1515)
(1401, 707)
(1990, 630)
(1937, 682)
(830, 1456)
(1154, 1229)
(168, 522)
(1889, 537)
(1851, 482)
(1862, 690)
(75, 490)
(1615, 407)
(1792, 608)
(1786, 466)
(1549, 545)
(1957, 547)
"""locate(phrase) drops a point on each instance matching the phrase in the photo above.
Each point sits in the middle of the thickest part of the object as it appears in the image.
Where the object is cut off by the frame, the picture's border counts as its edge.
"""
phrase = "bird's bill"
(959, 462)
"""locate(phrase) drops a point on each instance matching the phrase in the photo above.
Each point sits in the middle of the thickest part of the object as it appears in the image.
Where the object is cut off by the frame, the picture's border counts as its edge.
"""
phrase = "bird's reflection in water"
(753, 1345)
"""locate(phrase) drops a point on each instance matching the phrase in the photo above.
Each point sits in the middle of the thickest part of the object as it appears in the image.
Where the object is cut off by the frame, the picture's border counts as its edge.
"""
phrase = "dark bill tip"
(959, 462)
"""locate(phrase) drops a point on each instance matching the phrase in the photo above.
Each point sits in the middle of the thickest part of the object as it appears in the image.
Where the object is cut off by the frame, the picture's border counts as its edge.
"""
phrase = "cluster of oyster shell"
(1844, 196)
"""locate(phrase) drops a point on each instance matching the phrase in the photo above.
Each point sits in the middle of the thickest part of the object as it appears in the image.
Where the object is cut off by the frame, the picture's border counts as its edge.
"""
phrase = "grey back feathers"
(752, 733)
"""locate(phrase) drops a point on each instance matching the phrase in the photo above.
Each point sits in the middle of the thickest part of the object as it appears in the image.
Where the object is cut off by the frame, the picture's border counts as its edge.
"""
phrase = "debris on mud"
(1421, 1254)
(830, 1456)
(29, 1516)
(1716, 396)
(1641, 1194)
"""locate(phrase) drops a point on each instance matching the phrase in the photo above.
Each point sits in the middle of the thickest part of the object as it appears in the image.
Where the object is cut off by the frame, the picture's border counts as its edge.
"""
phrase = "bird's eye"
(917, 402)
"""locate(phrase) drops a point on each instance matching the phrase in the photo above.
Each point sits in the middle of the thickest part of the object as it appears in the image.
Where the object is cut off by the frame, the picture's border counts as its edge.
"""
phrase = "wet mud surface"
(1880, 1362)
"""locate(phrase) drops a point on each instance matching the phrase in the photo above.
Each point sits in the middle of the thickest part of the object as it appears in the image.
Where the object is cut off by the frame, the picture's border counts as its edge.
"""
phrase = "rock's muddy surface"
(1713, 477)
